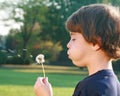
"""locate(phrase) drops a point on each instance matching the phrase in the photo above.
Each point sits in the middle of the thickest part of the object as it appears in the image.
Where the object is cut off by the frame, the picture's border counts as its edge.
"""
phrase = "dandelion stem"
(43, 69)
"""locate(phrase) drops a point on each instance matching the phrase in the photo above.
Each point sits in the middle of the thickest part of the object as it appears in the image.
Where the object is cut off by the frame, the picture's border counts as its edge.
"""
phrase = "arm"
(42, 87)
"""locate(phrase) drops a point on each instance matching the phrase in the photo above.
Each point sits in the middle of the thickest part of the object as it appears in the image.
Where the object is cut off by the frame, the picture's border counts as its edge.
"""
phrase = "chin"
(78, 64)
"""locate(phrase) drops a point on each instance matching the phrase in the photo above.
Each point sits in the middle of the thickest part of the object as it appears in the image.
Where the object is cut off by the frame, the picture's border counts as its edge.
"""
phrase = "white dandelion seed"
(40, 60)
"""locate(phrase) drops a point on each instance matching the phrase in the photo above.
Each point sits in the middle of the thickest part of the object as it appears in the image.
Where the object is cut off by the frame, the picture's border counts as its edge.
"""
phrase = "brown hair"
(99, 24)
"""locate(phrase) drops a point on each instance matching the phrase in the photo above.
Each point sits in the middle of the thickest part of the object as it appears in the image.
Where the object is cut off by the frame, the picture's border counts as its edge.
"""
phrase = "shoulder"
(106, 85)
(101, 84)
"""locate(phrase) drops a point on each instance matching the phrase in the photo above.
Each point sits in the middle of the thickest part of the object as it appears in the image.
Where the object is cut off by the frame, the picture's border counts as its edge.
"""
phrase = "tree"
(44, 21)
(33, 13)
(29, 14)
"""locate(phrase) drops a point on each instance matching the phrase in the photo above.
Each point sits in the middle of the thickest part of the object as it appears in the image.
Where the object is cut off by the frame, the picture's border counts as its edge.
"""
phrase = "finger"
(47, 82)
(42, 81)
(38, 82)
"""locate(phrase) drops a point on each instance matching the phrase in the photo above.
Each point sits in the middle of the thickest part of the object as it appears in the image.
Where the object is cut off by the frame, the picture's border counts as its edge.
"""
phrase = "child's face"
(79, 50)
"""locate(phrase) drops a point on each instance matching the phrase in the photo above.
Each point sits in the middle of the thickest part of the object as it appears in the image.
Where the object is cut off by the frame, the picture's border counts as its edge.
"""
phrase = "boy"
(95, 41)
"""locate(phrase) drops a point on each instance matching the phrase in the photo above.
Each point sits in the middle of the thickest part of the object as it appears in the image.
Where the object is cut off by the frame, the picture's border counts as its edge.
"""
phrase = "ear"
(96, 47)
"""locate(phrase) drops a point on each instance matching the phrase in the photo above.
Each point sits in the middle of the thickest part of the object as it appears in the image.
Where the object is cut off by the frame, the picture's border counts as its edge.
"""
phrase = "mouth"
(68, 55)
(67, 52)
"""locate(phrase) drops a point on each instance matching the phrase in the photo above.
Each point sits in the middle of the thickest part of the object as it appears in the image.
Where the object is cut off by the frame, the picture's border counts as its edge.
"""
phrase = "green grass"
(19, 80)
(16, 80)
(16, 90)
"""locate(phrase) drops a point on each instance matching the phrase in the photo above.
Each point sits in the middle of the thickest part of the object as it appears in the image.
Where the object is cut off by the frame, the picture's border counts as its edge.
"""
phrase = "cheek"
(74, 52)
(77, 57)
(77, 52)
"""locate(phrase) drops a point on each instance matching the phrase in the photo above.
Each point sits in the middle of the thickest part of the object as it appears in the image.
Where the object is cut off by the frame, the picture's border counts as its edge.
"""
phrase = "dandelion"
(40, 60)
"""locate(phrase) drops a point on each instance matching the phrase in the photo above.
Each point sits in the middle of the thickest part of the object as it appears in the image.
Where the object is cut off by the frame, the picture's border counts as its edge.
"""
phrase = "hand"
(42, 87)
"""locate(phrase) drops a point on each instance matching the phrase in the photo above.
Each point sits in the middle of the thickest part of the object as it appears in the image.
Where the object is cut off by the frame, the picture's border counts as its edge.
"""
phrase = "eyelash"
(73, 39)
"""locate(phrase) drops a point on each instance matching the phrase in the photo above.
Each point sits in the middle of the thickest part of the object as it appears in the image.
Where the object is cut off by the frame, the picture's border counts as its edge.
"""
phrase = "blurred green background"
(37, 26)
(34, 27)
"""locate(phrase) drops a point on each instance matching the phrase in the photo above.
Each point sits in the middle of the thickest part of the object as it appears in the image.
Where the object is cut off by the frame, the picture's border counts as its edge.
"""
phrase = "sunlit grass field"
(16, 80)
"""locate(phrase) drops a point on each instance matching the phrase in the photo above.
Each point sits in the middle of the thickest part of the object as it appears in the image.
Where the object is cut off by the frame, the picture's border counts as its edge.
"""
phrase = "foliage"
(116, 65)
(17, 60)
(3, 57)
(43, 25)
(11, 40)
(30, 21)
(48, 48)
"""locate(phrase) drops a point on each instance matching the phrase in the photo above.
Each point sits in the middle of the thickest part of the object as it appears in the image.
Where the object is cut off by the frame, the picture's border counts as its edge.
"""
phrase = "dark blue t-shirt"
(102, 83)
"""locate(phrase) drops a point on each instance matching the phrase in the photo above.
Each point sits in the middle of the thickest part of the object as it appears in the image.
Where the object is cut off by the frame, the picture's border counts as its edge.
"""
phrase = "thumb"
(45, 80)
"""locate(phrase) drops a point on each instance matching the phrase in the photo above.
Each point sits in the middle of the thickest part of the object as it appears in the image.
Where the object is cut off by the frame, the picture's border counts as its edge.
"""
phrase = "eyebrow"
(72, 33)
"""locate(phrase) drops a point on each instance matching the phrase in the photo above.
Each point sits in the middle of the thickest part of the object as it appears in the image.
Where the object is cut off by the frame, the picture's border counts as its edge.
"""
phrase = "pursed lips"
(68, 53)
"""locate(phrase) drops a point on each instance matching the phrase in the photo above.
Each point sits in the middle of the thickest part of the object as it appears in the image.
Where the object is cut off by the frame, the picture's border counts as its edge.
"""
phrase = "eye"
(73, 39)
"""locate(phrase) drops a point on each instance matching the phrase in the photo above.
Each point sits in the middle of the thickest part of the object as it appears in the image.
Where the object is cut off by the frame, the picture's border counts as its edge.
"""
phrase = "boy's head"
(99, 24)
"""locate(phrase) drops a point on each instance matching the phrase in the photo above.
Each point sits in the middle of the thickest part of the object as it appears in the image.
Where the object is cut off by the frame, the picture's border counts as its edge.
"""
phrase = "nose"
(68, 44)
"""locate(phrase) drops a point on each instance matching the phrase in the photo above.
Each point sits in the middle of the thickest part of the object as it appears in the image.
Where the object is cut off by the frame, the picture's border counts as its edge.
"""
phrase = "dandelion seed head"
(40, 58)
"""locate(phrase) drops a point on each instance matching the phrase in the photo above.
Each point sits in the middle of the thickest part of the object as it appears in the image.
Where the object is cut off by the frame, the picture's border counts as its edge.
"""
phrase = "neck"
(98, 65)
